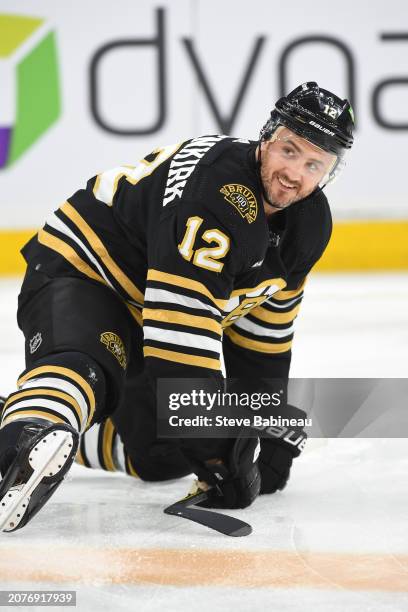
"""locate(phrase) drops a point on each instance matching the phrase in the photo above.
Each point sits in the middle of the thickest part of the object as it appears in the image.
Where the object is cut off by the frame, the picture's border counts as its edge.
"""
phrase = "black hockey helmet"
(317, 115)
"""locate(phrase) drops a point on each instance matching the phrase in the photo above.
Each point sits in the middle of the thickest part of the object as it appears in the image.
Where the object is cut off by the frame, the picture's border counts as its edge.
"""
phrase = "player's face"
(292, 167)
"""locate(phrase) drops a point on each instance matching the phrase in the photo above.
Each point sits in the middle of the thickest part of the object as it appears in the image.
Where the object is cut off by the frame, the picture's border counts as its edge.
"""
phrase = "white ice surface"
(345, 497)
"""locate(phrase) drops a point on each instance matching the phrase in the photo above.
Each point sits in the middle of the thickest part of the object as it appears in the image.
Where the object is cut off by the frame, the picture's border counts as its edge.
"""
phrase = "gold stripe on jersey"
(279, 318)
(256, 345)
(107, 445)
(288, 295)
(182, 318)
(131, 470)
(96, 185)
(102, 252)
(48, 392)
(193, 360)
(61, 247)
(182, 281)
(280, 282)
(14, 416)
(79, 458)
(86, 388)
(136, 314)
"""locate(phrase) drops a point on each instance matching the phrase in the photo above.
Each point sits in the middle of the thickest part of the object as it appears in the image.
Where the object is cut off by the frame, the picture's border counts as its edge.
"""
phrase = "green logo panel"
(28, 55)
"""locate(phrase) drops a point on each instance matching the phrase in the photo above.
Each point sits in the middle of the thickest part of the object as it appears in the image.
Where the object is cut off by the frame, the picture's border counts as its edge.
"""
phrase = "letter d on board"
(157, 41)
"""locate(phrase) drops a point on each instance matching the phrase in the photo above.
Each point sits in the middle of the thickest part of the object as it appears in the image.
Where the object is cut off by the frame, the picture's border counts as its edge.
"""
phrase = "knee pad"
(79, 316)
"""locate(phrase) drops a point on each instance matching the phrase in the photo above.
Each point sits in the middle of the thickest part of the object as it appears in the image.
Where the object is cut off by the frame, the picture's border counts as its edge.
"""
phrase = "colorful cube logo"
(29, 84)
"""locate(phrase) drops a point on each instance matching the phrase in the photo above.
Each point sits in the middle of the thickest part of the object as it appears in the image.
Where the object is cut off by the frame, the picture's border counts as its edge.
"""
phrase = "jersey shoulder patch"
(243, 199)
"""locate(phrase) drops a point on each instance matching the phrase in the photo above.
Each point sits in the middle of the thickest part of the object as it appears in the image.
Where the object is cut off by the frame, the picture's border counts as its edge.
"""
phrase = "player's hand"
(235, 481)
(277, 454)
(274, 463)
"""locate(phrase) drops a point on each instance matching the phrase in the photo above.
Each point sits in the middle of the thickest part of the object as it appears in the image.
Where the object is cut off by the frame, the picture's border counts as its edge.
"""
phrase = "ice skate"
(45, 452)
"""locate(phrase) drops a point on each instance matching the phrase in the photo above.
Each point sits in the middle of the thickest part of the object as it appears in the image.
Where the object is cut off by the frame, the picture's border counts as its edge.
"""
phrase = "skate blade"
(46, 458)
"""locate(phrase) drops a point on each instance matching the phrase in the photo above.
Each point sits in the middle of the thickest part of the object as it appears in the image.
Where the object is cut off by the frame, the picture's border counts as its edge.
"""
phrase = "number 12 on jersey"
(205, 257)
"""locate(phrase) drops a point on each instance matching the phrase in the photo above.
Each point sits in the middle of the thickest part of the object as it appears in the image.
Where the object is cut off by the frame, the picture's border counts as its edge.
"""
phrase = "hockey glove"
(233, 482)
(278, 451)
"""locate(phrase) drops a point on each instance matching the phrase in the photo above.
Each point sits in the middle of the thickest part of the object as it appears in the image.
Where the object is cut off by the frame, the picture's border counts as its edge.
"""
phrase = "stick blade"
(228, 525)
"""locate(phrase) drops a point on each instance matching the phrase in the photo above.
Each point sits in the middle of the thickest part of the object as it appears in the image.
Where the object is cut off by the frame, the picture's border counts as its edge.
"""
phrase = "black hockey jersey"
(183, 238)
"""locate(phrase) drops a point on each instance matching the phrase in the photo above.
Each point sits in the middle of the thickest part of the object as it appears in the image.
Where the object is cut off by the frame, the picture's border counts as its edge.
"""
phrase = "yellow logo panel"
(242, 199)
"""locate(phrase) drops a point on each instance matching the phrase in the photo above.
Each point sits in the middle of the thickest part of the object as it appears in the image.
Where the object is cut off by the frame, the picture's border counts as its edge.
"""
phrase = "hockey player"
(152, 271)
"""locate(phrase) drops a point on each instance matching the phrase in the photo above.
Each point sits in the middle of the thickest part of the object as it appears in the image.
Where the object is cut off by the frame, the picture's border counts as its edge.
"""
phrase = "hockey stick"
(223, 523)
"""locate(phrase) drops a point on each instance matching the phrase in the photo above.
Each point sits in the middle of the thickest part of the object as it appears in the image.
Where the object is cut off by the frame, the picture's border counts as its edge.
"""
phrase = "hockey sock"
(61, 388)
(102, 448)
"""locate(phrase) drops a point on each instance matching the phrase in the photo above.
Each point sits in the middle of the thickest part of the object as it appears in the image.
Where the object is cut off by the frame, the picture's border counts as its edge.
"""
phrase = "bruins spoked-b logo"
(242, 199)
(115, 345)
